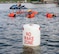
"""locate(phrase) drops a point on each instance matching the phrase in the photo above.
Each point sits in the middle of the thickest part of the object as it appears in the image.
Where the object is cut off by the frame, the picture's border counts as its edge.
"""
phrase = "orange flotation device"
(50, 15)
(33, 13)
(11, 15)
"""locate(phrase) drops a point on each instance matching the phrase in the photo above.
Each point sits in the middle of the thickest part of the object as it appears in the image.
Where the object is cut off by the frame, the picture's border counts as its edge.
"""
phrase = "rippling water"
(11, 31)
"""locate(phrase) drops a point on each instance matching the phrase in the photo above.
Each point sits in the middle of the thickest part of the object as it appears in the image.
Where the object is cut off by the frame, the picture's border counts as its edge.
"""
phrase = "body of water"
(11, 29)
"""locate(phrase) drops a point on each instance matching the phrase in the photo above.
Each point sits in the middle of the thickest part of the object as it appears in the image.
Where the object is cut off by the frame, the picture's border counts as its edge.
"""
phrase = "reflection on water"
(31, 50)
(11, 32)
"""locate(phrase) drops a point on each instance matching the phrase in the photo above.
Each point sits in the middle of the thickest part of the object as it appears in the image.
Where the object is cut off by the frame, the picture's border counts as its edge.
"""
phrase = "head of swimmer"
(18, 3)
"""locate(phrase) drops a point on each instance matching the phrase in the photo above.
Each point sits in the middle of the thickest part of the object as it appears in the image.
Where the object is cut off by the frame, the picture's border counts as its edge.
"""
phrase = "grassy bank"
(15, 1)
(12, 1)
(9, 1)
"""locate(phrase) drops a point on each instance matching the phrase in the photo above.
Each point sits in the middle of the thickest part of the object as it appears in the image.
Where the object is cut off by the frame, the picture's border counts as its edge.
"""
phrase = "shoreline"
(33, 2)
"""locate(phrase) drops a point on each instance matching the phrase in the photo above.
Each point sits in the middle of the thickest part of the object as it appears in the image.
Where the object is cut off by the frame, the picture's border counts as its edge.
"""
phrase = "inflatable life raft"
(16, 7)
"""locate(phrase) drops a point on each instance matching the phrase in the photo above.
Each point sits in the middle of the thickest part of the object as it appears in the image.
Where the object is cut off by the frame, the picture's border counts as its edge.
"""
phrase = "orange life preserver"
(31, 15)
(49, 15)
(11, 15)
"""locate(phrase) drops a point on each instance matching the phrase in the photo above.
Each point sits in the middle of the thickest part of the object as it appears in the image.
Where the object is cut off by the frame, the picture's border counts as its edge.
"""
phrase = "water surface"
(11, 29)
